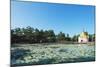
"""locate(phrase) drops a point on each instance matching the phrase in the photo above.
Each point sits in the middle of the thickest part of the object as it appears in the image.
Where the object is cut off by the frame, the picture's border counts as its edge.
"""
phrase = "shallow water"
(32, 54)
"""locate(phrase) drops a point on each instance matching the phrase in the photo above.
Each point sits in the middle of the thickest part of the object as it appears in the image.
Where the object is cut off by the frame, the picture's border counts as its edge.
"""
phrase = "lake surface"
(37, 54)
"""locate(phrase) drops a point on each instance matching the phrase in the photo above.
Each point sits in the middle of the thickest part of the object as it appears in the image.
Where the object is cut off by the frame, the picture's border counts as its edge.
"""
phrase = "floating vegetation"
(50, 54)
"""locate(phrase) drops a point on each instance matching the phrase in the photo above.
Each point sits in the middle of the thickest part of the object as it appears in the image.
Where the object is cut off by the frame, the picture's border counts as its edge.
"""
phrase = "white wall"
(85, 40)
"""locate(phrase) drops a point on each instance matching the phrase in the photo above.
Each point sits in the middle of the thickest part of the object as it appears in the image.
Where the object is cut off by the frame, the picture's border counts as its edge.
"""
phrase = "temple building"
(83, 38)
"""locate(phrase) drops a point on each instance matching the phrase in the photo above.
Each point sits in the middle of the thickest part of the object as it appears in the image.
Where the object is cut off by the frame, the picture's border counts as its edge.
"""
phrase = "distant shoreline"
(56, 43)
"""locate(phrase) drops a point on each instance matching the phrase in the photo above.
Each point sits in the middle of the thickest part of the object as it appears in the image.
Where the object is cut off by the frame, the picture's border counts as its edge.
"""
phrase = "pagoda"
(83, 37)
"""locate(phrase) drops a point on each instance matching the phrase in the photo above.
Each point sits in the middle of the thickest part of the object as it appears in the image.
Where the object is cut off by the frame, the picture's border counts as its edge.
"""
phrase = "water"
(53, 53)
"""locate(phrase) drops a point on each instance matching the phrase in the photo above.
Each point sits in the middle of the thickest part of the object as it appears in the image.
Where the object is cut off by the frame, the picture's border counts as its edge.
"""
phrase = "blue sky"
(67, 18)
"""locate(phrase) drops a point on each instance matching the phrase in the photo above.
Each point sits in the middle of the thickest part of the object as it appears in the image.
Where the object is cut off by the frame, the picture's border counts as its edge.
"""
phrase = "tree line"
(31, 35)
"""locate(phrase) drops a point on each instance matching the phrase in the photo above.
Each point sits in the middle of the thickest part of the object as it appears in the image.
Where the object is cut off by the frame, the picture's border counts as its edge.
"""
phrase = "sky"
(67, 18)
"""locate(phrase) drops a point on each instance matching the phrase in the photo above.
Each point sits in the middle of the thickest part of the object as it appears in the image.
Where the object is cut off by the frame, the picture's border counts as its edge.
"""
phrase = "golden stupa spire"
(84, 34)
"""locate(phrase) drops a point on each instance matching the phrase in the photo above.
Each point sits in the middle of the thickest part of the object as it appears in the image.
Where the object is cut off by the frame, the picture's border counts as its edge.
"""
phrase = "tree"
(75, 38)
(42, 38)
(13, 37)
(28, 34)
(37, 36)
(17, 33)
(61, 36)
(91, 37)
(68, 38)
(51, 36)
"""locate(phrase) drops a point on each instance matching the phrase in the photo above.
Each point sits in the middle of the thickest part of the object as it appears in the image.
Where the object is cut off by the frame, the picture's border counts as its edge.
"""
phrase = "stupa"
(84, 37)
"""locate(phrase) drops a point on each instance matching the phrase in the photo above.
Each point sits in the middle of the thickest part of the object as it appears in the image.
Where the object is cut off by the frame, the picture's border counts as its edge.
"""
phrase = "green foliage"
(91, 37)
(61, 36)
(75, 38)
(31, 35)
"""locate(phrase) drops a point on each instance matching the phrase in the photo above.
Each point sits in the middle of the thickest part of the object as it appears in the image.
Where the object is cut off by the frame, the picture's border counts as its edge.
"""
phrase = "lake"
(38, 54)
